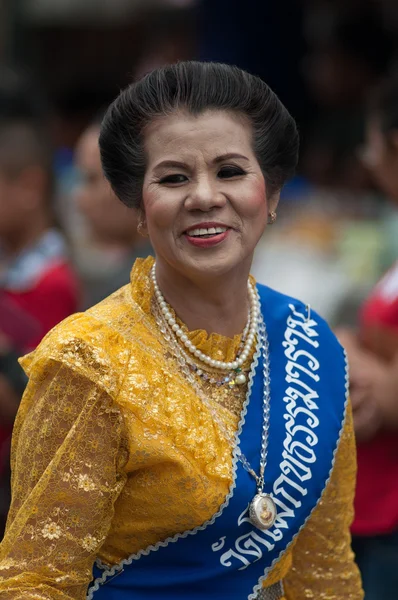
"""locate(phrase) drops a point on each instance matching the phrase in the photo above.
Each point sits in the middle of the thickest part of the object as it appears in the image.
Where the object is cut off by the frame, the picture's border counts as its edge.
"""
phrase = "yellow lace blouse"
(113, 451)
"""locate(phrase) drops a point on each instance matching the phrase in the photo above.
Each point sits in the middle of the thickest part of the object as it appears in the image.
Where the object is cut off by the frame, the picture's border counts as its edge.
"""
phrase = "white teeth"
(209, 231)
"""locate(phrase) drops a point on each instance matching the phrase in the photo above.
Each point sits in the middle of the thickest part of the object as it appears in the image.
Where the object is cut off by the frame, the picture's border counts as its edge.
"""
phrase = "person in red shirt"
(38, 287)
(373, 358)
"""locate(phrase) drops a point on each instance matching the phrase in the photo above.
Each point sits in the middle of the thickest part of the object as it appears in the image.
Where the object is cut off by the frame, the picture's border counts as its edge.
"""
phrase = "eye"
(230, 171)
(175, 179)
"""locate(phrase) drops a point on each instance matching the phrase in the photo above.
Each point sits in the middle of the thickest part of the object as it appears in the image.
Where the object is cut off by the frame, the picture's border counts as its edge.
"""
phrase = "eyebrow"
(228, 156)
(170, 164)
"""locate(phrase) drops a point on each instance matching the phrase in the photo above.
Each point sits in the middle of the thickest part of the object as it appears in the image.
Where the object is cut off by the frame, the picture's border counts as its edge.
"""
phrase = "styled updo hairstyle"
(194, 87)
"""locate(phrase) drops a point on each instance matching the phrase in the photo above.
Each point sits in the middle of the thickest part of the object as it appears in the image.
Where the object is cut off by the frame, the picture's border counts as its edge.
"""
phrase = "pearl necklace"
(262, 509)
(218, 379)
(234, 365)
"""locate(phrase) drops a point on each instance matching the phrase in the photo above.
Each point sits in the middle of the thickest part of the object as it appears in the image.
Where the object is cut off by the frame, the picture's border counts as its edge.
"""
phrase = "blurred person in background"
(327, 248)
(20, 98)
(73, 105)
(37, 285)
(72, 110)
(349, 52)
(373, 357)
(112, 243)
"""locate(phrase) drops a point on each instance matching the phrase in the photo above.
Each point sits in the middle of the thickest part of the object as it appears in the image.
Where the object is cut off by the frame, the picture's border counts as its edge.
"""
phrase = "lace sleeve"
(67, 473)
(323, 562)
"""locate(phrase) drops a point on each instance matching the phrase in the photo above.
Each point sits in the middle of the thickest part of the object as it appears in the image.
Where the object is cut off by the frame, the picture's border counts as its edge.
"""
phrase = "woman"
(373, 354)
(187, 457)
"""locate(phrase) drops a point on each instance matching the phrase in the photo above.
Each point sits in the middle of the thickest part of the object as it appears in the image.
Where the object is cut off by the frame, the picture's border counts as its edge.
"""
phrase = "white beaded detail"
(198, 354)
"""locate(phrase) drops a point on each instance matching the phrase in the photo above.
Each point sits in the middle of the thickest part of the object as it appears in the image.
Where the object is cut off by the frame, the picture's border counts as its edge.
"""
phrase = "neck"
(217, 305)
(16, 242)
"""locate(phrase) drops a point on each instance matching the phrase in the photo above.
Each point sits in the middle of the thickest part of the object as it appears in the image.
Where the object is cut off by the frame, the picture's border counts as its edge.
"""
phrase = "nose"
(204, 195)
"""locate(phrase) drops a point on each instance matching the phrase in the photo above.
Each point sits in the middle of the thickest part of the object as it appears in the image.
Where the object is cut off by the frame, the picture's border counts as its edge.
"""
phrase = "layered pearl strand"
(209, 375)
(234, 365)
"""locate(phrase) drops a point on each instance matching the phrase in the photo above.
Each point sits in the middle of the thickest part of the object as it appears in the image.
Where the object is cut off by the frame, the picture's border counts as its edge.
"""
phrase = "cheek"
(160, 209)
(255, 205)
(80, 199)
(88, 196)
(381, 168)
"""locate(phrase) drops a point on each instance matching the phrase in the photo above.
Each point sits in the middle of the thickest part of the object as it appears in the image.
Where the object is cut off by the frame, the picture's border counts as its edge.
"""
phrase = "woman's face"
(381, 158)
(204, 194)
(108, 219)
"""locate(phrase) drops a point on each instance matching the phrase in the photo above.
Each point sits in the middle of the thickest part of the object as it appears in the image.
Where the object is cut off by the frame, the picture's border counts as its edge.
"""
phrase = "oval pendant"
(262, 511)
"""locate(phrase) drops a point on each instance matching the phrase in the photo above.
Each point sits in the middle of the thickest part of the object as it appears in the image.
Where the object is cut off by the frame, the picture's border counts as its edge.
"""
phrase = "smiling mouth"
(207, 232)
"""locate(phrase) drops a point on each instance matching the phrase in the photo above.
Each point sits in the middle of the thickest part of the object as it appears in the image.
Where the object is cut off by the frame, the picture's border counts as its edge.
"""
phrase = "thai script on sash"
(298, 455)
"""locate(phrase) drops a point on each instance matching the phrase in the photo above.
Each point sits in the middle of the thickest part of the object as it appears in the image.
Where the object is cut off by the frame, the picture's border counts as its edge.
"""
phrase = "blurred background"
(65, 242)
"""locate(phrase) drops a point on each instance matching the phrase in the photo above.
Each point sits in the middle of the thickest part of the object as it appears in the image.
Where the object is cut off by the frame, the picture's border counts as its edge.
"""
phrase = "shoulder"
(55, 283)
(94, 344)
(58, 274)
(55, 296)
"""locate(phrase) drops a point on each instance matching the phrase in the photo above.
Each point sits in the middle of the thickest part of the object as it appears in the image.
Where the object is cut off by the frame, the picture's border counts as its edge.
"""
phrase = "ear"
(142, 225)
(273, 201)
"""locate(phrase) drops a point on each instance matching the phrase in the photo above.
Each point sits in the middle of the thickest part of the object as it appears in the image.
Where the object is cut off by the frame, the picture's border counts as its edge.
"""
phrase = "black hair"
(25, 143)
(362, 38)
(352, 35)
(194, 87)
(83, 98)
(20, 98)
(383, 103)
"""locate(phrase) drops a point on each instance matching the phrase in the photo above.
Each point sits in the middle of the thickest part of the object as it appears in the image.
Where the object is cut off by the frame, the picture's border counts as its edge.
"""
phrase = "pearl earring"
(141, 230)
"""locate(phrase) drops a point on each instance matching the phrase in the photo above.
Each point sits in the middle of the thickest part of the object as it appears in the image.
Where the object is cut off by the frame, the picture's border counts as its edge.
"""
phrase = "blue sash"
(228, 557)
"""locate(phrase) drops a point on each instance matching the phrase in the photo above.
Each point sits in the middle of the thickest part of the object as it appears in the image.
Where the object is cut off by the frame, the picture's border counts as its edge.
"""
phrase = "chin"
(215, 267)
